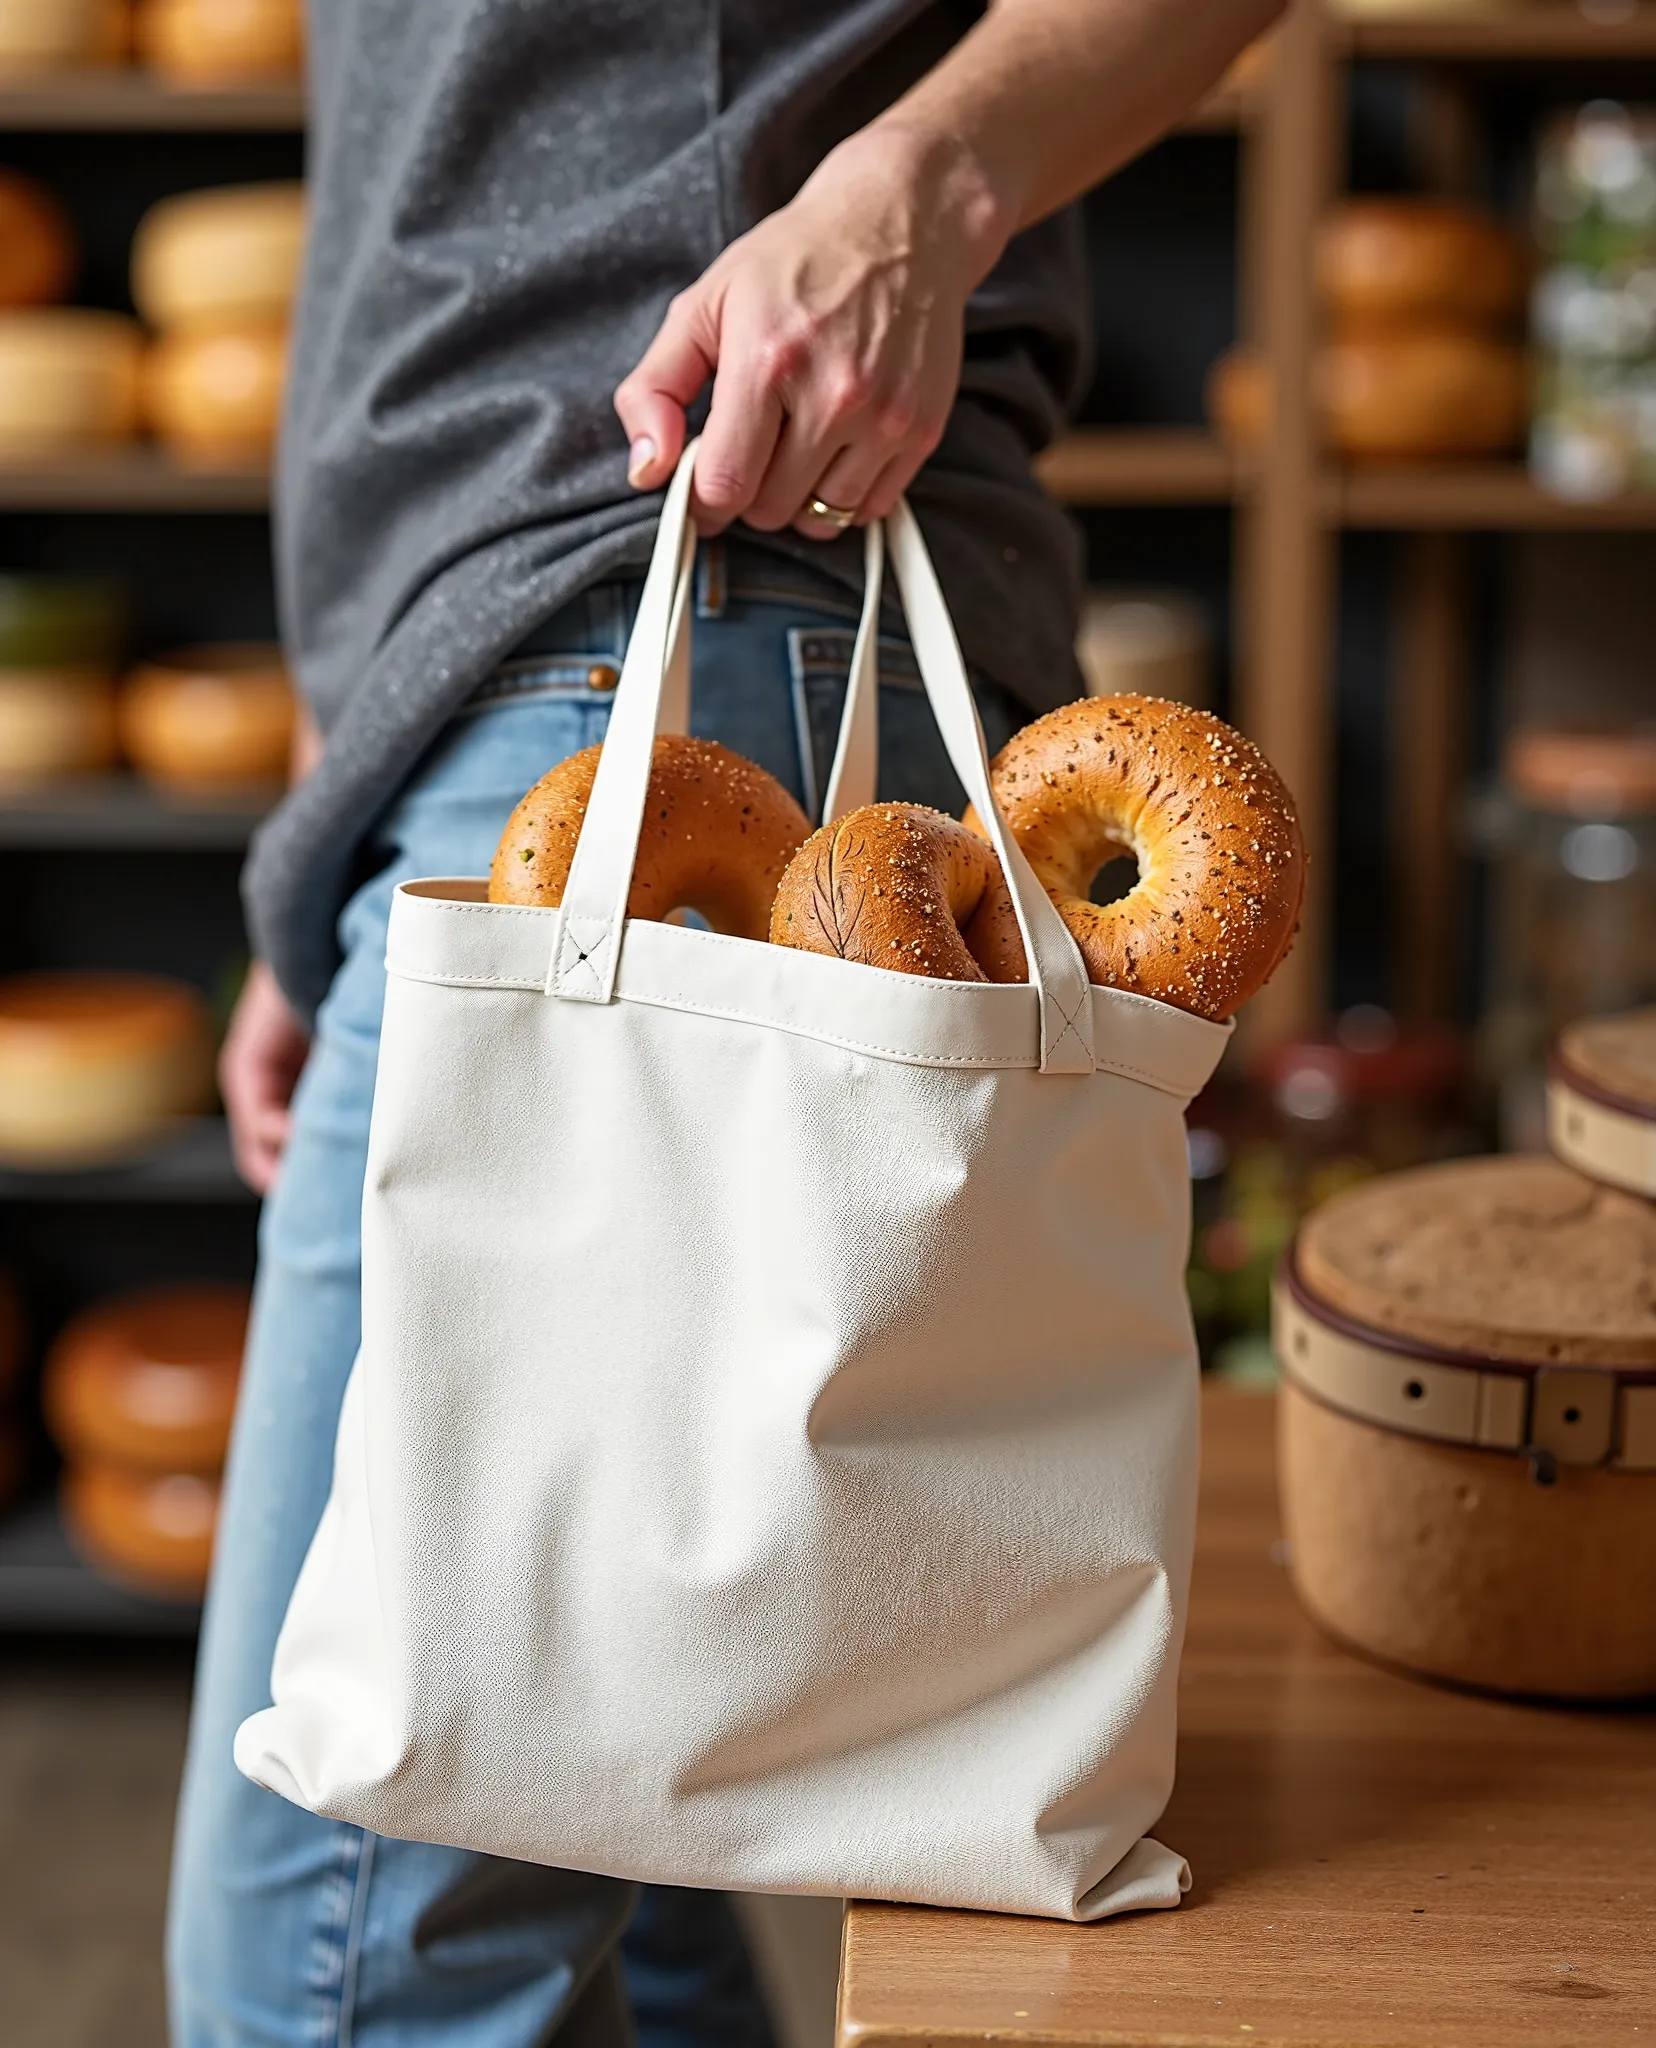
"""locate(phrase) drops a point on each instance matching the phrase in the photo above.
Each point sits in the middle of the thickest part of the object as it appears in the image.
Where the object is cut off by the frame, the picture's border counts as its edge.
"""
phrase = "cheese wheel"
(55, 722)
(214, 393)
(152, 1532)
(37, 244)
(52, 35)
(231, 253)
(68, 380)
(1386, 396)
(92, 1066)
(149, 1382)
(1402, 262)
(208, 716)
(221, 42)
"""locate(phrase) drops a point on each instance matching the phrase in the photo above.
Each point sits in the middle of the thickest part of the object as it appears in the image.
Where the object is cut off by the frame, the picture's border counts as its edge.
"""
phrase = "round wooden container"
(229, 253)
(1601, 1099)
(213, 393)
(68, 380)
(95, 1066)
(1468, 1426)
(150, 1531)
(54, 35)
(210, 717)
(1398, 262)
(196, 43)
(1390, 395)
(149, 1382)
(55, 721)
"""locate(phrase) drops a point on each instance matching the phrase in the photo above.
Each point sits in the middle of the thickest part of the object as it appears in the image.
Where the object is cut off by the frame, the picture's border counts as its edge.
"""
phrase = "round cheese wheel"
(50, 35)
(55, 721)
(149, 1381)
(214, 393)
(231, 253)
(60, 622)
(37, 244)
(206, 716)
(68, 379)
(1401, 262)
(221, 42)
(93, 1066)
(150, 1531)
(1415, 392)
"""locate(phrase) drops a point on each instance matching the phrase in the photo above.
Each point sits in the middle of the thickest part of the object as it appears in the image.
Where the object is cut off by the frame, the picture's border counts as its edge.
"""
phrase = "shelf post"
(1285, 696)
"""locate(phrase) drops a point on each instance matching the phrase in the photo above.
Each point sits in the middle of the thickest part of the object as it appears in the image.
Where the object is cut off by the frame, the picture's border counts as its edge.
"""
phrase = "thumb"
(672, 371)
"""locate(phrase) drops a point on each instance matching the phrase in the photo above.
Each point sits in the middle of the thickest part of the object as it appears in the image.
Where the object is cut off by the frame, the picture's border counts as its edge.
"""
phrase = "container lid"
(1515, 1258)
(1587, 773)
(1615, 1057)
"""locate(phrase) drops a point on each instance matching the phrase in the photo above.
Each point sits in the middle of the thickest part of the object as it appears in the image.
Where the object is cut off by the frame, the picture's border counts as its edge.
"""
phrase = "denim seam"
(336, 1901)
(351, 1962)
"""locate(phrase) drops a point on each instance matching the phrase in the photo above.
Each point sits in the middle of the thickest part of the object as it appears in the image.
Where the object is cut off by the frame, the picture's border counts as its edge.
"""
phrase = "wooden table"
(1379, 1863)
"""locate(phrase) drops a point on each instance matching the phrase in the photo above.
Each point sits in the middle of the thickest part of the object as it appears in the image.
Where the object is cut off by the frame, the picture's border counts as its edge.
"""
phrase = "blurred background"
(1368, 465)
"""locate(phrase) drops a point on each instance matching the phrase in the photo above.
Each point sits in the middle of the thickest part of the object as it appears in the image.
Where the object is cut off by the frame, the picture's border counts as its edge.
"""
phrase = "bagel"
(1213, 829)
(899, 886)
(717, 833)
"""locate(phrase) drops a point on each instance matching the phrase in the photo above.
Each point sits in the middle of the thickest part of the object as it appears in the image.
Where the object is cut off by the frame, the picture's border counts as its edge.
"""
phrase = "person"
(840, 230)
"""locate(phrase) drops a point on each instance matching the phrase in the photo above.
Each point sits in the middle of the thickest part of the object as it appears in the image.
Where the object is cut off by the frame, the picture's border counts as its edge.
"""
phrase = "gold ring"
(835, 515)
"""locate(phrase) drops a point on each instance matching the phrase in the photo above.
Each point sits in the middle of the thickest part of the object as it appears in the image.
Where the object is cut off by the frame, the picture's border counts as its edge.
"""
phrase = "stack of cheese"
(95, 1067)
(215, 274)
(214, 43)
(60, 641)
(1420, 297)
(139, 1395)
(208, 719)
(60, 35)
(68, 376)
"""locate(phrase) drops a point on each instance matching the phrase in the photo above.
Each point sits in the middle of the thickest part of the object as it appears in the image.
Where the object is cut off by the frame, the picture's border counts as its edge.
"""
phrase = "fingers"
(744, 424)
(264, 1052)
(651, 401)
(850, 477)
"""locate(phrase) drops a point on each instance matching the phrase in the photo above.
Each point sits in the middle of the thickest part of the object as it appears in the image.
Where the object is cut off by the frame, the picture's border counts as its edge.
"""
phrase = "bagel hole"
(1118, 877)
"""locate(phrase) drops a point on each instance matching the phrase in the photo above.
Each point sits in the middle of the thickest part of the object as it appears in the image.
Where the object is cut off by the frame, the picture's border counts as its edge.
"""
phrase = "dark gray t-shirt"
(504, 196)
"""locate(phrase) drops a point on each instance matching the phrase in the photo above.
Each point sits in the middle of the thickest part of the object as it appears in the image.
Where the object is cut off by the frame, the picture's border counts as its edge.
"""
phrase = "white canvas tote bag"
(770, 1461)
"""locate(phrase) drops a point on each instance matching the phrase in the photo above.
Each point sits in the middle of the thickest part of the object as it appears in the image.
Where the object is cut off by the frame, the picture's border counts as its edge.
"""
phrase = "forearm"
(1046, 97)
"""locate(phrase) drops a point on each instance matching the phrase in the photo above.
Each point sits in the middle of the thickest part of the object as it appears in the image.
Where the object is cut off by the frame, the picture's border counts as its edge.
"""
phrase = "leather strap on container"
(1559, 1415)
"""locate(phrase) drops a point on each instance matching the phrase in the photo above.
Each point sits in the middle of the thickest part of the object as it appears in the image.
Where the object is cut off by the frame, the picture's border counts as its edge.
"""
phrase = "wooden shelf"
(1473, 496)
(1546, 30)
(135, 479)
(98, 811)
(1139, 466)
(192, 1165)
(132, 100)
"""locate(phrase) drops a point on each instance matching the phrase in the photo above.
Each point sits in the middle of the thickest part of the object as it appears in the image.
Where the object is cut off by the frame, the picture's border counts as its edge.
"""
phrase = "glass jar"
(1593, 309)
(1574, 910)
(1311, 1117)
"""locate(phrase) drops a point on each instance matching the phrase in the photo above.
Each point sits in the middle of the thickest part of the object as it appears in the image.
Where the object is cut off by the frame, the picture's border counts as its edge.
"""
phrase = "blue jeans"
(286, 1929)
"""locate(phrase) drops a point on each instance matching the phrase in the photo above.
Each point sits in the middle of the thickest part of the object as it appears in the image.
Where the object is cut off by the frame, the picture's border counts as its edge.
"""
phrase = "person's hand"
(264, 1053)
(833, 334)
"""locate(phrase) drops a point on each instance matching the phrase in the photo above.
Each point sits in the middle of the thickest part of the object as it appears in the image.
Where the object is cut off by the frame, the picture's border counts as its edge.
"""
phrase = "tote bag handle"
(586, 950)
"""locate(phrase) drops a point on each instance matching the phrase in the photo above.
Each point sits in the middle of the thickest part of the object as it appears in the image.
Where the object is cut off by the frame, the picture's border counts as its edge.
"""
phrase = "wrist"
(936, 181)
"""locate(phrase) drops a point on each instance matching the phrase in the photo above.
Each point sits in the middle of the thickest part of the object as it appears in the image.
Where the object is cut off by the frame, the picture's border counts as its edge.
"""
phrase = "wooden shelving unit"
(1140, 466)
(182, 1196)
(132, 100)
(133, 479)
(1488, 497)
